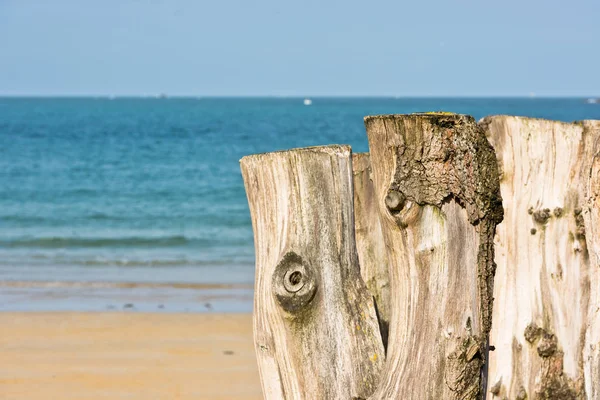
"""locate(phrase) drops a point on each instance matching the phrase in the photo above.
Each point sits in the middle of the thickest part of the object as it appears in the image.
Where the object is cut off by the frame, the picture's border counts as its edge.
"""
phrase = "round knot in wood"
(294, 283)
(395, 201)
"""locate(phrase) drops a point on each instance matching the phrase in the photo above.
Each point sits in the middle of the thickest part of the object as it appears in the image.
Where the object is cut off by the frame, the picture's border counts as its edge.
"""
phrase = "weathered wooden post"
(591, 218)
(369, 241)
(546, 327)
(436, 186)
(424, 212)
(316, 331)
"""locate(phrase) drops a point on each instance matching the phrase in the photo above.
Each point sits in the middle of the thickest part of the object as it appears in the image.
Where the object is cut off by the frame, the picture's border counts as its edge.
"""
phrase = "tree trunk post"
(591, 218)
(315, 327)
(546, 328)
(369, 241)
(436, 185)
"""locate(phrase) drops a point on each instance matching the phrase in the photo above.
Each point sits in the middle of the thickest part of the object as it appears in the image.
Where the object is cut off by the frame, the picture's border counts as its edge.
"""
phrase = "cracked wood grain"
(437, 188)
(546, 327)
(315, 328)
(369, 241)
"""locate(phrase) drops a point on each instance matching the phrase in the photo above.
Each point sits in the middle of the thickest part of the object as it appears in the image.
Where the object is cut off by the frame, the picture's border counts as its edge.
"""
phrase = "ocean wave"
(238, 220)
(123, 285)
(124, 262)
(23, 218)
(43, 260)
(83, 242)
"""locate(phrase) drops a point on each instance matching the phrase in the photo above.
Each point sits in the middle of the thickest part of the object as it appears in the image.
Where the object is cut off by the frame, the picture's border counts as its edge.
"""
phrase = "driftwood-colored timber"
(477, 307)
(369, 240)
(546, 319)
(436, 183)
(316, 331)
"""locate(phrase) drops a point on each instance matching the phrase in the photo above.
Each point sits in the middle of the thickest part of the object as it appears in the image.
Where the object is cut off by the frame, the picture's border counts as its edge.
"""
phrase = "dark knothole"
(294, 283)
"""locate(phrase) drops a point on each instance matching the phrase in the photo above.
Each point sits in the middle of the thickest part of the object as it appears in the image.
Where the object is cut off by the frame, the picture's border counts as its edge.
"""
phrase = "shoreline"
(102, 296)
(99, 355)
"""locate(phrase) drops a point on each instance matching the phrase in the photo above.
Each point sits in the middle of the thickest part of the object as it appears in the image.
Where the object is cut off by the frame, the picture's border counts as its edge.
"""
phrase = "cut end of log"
(424, 114)
(333, 150)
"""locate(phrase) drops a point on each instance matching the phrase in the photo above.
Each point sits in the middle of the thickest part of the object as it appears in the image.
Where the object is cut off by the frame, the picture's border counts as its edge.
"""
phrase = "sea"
(138, 204)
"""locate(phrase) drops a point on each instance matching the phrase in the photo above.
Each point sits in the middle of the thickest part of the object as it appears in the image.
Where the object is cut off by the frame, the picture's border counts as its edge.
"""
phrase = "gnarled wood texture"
(316, 332)
(369, 241)
(591, 218)
(546, 327)
(436, 186)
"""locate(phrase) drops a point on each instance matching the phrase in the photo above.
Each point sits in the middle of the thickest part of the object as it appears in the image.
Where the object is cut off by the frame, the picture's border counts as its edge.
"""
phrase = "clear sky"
(301, 48)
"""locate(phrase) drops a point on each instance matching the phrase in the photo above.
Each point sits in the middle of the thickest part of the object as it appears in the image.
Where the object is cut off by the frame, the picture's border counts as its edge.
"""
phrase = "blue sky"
(300, 48)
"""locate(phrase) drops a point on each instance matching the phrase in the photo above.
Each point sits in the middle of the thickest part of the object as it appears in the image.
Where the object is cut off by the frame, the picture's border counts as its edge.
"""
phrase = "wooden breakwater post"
(436, 182)
(432, 182)
(546, 320)
(315, 328)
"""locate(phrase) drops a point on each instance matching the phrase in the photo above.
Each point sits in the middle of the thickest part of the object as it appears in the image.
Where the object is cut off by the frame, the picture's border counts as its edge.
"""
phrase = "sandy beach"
(127, 355)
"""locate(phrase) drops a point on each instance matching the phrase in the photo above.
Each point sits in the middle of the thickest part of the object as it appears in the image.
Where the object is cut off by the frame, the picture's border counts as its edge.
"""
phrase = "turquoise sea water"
(149, 190)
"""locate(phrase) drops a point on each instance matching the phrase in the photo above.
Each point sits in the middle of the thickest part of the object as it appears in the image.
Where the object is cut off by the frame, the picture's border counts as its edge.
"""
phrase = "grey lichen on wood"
(546, 327)
(437, 189)
(315, 328)
(369, 241)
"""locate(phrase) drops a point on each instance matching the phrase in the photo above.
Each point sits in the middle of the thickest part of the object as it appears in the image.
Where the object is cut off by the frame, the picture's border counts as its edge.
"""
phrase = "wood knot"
(395, 201)
(532, 332)
(294, 283)
(580, 223)
(548, 345)
(541, 216)
(403, 211)
(495, 389)
(521, 394)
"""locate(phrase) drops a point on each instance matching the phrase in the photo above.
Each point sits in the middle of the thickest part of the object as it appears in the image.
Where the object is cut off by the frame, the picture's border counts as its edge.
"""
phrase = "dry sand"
(127, 356)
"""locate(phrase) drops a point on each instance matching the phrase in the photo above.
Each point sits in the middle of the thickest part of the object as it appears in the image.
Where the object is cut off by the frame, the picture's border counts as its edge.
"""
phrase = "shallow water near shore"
(148, 191)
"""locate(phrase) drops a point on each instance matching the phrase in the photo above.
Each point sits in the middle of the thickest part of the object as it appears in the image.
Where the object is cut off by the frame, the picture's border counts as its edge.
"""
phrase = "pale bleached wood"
(316, 332)
(369, 241)
(591, 217)
(436, 186)
(545, 319)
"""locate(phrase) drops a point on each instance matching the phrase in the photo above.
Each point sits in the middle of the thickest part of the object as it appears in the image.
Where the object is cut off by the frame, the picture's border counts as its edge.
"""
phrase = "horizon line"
(164, 96)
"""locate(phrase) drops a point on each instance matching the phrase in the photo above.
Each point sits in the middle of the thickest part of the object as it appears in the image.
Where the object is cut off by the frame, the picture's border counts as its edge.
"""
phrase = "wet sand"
(126, 355)
(147, 297)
